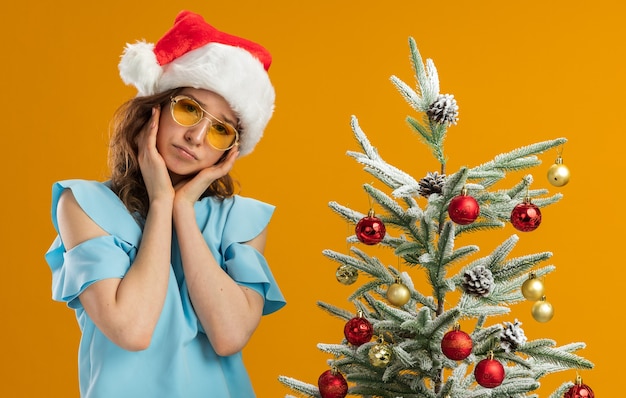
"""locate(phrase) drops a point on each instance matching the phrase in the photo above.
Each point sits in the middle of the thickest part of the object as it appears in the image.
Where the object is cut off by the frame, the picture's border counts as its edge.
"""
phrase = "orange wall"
(521, 73)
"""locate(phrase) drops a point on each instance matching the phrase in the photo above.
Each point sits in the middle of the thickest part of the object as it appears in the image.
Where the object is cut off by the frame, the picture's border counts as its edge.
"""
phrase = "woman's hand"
(190, 190)
(153, 169)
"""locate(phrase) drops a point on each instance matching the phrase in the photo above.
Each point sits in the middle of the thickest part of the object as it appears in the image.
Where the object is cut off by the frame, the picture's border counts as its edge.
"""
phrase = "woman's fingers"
(147, 137)
(153, 168)
(222, 168)
(154, 126)
(191, 189)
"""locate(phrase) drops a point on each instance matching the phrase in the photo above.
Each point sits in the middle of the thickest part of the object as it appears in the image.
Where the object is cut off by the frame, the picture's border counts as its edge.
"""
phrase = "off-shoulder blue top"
(180, 361)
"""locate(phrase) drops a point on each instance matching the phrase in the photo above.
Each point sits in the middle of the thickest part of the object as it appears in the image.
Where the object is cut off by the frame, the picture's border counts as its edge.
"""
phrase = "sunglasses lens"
(221, 136)
(186, 112)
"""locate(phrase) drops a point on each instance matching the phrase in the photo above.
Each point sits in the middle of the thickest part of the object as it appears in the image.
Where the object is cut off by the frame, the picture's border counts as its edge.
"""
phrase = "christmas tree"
(401, 342)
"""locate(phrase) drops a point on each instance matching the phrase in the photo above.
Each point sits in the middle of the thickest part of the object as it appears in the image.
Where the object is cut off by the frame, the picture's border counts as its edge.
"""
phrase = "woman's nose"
(196, 134)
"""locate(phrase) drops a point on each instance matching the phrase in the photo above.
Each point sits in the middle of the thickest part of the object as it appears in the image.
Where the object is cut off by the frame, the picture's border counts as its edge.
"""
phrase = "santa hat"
(195, 54)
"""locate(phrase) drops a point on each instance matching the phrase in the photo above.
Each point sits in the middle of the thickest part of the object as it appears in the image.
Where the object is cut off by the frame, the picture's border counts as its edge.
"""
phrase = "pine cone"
(512, 336)
(444, 109)
(432, 183)
(478, 281)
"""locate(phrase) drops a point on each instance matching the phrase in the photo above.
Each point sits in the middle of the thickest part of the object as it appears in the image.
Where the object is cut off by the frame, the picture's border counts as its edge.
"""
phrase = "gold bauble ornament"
(542, 311)
(380, 354)
(532, 288)
(558, 173)
(398, 294)
(347, 274)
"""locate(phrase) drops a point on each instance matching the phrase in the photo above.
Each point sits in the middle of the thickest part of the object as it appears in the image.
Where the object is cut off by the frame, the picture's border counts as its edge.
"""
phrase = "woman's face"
(185, 150)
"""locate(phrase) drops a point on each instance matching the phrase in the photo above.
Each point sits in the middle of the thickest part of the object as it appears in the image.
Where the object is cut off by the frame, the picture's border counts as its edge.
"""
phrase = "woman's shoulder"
(100, 203)
(247, 202)
(91, 195)
(84, 188)
(81, 184)
(240, 218)
(237, 203)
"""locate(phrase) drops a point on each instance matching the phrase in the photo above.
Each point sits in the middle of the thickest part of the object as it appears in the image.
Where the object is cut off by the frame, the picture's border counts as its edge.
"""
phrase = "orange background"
(521, 72)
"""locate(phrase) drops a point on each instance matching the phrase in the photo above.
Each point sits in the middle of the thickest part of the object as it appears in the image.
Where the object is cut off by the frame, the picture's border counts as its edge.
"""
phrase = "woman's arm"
(229, 313)
(125, 310)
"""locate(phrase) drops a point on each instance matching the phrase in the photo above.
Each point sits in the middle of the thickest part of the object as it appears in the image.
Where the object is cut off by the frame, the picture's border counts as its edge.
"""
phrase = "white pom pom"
(138, 66)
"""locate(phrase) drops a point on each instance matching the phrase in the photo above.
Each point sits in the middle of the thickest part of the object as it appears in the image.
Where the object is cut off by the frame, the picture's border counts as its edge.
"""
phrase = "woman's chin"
(178, 177)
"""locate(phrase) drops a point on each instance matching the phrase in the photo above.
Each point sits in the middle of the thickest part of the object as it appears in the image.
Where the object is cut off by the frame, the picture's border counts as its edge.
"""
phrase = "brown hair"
(126, 179)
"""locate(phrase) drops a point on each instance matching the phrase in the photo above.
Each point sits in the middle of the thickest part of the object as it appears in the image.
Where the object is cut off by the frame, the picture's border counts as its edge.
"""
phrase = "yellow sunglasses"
(188, 113)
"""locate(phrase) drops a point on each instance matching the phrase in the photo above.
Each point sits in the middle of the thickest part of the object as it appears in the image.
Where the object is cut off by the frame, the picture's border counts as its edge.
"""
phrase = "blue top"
(180, 361)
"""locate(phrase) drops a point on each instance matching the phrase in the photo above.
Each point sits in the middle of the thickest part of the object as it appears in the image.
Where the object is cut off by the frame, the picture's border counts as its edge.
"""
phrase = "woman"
(163, 264)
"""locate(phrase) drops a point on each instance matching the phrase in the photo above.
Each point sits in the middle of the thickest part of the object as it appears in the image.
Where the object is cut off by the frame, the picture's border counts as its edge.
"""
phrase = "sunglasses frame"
(211, 119)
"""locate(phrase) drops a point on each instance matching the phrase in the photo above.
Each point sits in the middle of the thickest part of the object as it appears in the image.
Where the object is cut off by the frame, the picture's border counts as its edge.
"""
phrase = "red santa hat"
(195, 54)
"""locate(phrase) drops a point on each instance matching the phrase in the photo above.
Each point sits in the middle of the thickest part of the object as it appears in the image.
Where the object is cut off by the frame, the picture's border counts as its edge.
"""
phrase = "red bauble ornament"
(358, 330)
(526, 216)
(332, 384)
(489, 372)
(370, 230)
(456, 345)
(463, 209)
(580, 390)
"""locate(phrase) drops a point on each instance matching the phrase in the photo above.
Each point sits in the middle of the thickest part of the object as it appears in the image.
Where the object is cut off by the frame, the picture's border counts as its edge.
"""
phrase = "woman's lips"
(187, 153)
